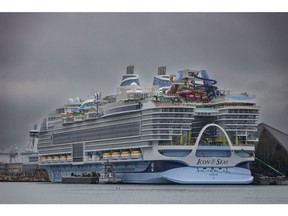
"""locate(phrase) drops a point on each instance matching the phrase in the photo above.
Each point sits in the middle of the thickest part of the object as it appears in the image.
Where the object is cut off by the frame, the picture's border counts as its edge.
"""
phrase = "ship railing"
(232, 93)
(213, 144)
(240, 127)
(245, 109)
(246, 147)
(175, 144)
(120, 103)
(241, 133)
(139, 89)
(78, 118)
(171, 103)
(225, 144)
(206, 113)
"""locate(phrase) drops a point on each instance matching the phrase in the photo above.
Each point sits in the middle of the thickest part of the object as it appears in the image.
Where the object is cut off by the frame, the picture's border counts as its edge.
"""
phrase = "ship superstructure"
(182, 129)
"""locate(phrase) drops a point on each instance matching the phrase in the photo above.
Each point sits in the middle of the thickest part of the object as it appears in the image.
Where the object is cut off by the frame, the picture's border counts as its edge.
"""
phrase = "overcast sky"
(46, 58)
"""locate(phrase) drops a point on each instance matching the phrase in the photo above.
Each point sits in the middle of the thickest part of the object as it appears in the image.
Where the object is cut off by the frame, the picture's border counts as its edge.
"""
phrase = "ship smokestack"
(162, 70)
(130, 69)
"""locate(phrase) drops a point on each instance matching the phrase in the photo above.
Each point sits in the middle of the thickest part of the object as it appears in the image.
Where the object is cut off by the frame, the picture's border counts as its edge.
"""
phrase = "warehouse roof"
(280, 136)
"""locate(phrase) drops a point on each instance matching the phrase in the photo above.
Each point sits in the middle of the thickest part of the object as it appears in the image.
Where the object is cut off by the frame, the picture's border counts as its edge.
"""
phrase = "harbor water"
(49, 193)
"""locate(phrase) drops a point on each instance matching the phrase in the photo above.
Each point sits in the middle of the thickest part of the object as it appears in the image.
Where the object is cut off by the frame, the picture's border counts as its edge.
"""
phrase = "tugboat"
(107, 176)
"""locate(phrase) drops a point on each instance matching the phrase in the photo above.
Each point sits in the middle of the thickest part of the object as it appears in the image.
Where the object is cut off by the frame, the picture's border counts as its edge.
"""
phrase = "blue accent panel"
(179, 76)
(128, 82)
(161, 83)
(86, 105)
(206, 78)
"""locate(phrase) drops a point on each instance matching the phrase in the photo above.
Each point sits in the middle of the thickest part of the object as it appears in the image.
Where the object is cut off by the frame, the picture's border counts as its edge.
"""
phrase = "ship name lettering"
(219, 161)
(203, 161)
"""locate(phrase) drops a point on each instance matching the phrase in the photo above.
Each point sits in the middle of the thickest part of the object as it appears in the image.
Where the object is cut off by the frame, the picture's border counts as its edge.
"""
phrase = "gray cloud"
(46, 58)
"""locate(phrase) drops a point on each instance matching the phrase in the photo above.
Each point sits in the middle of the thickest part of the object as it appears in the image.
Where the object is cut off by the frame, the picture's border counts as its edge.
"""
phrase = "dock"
(19, 172)
(270, 181)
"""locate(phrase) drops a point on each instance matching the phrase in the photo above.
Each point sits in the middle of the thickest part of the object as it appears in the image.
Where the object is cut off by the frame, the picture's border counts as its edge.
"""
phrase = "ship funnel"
(130, 69)
(162, 70)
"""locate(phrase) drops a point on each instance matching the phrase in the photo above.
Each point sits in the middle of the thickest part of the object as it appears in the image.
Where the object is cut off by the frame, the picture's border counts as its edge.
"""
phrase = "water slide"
(208, 84)
(203, 91)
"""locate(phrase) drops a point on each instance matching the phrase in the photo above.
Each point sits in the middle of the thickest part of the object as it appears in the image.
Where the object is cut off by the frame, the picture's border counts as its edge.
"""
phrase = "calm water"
(48, 193)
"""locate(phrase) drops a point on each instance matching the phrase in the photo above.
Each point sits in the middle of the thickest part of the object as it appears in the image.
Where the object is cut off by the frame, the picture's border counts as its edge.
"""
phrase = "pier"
(19, 172)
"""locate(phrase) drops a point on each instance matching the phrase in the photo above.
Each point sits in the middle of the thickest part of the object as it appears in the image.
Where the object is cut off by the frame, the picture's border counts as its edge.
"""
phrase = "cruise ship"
(181, 129)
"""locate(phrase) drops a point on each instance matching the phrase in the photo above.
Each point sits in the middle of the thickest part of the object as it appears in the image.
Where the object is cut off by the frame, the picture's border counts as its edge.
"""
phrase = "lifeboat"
(115, 155)
(49, 159)
(69, 157)
(106, 155)
(63, 158)
(136, 154)
(56, 158)
(43, 158)
(125, 154)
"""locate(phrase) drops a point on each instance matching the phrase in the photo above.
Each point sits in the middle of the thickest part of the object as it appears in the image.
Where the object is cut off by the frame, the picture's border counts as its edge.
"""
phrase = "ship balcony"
(68, 120)
(78, 118)
(90, 115)
(50, 124)
(206, 114)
